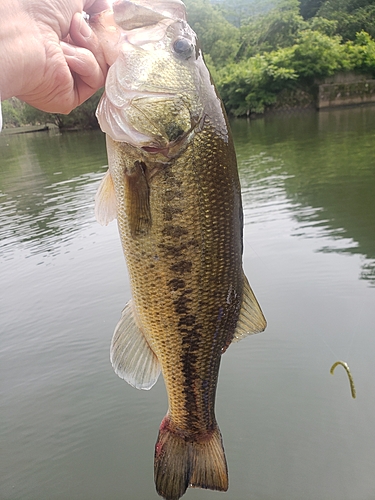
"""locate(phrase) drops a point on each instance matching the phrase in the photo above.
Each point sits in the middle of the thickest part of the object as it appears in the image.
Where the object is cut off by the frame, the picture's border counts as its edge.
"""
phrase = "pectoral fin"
(105, 201)
(137, 199)
(131, 355)
(251, 318)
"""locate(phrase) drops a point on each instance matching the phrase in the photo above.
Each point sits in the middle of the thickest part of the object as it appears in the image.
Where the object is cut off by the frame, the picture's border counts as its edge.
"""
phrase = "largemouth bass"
(173, 185)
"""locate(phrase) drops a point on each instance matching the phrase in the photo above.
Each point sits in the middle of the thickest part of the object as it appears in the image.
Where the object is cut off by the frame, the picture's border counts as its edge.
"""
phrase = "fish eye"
(183, 47)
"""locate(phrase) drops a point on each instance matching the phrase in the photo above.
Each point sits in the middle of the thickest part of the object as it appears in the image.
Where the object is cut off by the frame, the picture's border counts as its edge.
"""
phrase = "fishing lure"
(347, 369)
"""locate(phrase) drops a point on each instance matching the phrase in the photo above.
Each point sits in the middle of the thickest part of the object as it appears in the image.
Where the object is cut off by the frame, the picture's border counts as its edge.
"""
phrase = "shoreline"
(25, 129)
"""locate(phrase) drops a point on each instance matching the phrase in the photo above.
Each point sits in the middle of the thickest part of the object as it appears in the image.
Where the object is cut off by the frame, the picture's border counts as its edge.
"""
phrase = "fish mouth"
(173, 148)
(156, 124)
(167, 122)
(154, 150)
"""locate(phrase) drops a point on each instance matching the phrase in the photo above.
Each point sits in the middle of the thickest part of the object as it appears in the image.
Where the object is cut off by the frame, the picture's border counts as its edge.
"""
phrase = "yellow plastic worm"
(347, 369)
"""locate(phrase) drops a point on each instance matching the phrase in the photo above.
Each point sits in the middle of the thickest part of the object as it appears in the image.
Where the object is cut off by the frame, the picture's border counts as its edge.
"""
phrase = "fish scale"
(173, 186)
(200, 218)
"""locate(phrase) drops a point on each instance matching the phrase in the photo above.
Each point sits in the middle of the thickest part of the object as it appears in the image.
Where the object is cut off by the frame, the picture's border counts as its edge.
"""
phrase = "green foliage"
(282, 24)
(361, 53)
(287, 49)
(16, 113)
(260, 53)
(239, 12)
(251, 86)
(275, 28)
(218, 37)
(352, 16)
(83, 116)
(33, 116)
(309, 8)
(325, 26)
(317, 55)
(12, 110)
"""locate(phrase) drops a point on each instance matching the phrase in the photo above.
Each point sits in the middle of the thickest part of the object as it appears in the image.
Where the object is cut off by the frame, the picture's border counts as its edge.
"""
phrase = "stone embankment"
(345, 90)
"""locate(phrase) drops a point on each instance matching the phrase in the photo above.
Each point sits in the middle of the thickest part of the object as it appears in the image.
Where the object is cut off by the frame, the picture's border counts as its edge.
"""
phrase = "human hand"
(50, 57)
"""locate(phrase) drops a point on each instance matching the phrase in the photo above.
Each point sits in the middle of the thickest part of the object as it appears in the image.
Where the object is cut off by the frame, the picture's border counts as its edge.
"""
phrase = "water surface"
(70, 429)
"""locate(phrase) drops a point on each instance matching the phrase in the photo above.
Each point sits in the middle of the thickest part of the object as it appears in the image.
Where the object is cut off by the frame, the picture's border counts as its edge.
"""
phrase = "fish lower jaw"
(170, 149)
(154, 150)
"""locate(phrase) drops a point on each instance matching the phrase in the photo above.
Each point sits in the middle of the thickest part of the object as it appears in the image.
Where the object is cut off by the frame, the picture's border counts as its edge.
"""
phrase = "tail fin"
(180, 463)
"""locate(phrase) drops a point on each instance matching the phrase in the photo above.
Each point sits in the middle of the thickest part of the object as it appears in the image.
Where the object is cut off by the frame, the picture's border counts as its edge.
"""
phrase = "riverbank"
(341, 90)
(29, 128)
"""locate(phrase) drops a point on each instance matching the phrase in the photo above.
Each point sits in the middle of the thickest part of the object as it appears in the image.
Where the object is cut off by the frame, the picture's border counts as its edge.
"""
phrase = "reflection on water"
(322, 165)
(73, 430)
(45, 187)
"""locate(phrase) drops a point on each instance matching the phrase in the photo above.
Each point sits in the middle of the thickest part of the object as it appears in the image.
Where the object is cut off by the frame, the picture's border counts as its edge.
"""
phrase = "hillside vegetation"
(262, 53)
(266, 54)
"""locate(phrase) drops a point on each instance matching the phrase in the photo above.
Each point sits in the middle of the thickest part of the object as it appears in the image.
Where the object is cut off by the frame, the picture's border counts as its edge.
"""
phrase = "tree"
(239, 12)
(219, 38)
(309, 8)
(317, 55)
(17, 113)
(361, 53)
(284, 23)
(252, 85)
(12, 110)
(352, 16)
(277, 28)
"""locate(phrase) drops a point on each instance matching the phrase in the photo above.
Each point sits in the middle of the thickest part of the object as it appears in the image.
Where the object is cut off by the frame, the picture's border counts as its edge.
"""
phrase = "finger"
(83, 36)
(87, 74)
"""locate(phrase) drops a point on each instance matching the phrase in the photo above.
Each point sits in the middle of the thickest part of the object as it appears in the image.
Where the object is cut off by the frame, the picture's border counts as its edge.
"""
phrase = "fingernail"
(69, 50)
(84, 28)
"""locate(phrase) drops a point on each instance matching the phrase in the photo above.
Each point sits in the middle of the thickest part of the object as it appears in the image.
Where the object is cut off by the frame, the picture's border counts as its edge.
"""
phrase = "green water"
(70, 429)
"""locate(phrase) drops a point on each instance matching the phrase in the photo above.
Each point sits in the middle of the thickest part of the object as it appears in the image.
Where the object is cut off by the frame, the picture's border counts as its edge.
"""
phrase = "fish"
(173, 185)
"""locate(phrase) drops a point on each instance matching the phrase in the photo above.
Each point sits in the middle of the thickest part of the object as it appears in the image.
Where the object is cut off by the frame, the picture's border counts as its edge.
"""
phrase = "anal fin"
(131, 355)
(251, 319)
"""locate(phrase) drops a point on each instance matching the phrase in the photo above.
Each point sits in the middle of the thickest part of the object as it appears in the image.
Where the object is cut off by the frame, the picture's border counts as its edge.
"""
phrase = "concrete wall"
(345, 93)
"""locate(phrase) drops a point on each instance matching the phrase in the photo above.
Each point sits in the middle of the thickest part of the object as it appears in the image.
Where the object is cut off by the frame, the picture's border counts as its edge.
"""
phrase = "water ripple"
(45, 220)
